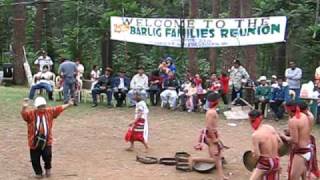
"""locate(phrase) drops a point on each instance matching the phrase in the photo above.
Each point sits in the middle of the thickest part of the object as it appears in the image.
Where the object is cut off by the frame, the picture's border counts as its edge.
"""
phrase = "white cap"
(40, 101)
(262, 78)
(274, 76)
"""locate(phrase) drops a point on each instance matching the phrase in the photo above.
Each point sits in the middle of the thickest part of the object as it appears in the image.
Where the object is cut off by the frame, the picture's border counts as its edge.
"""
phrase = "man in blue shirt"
(279, 95)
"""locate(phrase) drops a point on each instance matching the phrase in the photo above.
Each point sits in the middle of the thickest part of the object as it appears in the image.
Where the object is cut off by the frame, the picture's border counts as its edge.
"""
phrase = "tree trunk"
(250, 52)
(106, 51)
(39, 24)
(193, 64)
(231, 53)
(18, 42)
(213, 51)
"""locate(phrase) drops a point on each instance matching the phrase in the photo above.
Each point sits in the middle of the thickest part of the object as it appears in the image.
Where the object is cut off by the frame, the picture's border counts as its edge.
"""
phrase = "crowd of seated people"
(163, 87)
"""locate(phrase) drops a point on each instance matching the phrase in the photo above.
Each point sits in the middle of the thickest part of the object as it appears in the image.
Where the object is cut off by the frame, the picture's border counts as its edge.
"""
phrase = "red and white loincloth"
(137, 131)
(309, 153)
(205, 135)
(271, 167)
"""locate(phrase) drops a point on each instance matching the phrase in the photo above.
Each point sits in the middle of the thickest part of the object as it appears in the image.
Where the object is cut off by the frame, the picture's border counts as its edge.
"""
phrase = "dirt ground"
(89, 145)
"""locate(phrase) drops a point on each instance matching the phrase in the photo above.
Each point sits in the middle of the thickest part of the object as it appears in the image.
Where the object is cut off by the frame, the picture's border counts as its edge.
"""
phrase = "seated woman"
(43, 80)
(191, 97)
(155, 83)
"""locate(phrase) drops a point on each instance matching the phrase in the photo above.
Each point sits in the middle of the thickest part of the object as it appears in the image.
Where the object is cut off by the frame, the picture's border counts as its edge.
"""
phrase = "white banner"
(199, 33)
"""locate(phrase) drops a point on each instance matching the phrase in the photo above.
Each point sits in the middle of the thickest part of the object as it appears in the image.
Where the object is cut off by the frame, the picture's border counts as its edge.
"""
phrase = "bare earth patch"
(89, 144)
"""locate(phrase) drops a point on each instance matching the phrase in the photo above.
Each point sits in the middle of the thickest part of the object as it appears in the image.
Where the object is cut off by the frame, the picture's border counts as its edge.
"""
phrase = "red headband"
(294, 108)
(213, 104)
(256, 122)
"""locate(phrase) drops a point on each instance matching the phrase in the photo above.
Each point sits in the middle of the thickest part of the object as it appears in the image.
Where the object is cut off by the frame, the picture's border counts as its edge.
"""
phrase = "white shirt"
(80, 69)
(141, 105)
(139, 82)
(94, 75)
(47, 77)
(41, 61)
(121, 85)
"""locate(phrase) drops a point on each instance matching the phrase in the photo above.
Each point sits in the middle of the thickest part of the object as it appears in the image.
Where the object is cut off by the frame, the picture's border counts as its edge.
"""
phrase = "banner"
(199, 33)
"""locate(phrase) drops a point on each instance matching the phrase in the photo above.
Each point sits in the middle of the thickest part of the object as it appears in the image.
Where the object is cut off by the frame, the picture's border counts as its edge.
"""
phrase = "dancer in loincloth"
(303, 159)
(138, 130)
(265, 142)
(209, 136)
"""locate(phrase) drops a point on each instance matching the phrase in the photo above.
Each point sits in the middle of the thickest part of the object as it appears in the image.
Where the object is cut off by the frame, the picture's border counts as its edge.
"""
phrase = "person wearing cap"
(42, 60)
(120, 86)
(209, 136)
(294, 75)
(279, 95)
(40, 122)
(43, 80)
(273, 80)
(68, 72)
(139, 83)
(170, 64)
(266, 142)
(238, 75)
(303, 159)
(104, 85)
(262, 94)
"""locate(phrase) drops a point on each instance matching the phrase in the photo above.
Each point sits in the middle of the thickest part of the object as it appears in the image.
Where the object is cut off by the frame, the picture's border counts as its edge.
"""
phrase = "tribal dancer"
(266, 142)
(138, 130)
(209, 136)
(303, 159)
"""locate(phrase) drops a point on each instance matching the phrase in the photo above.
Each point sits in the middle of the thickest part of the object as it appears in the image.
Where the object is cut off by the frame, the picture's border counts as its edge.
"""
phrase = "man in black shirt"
(169, 96)
(104, 85)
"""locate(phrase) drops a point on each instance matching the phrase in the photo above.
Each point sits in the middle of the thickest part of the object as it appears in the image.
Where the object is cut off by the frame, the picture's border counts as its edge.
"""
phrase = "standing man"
(303, 161)
(104, 85)
(266, 142)
(139, 83)
(121, 85)
(42, 60)
(238, 75)
(169, 96)
(40, 123)
(294, 75)
(210, 137)
(68, 72)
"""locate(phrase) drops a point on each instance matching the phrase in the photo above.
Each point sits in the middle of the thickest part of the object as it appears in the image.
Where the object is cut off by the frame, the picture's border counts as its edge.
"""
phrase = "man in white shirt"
(139, 83)
(43, 60)
(294, 75)
(43, 80)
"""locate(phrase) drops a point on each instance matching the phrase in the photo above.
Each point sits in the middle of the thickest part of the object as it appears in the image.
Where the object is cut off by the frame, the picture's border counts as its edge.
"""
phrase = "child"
(138, 130)
(198, 81)
(191, 97)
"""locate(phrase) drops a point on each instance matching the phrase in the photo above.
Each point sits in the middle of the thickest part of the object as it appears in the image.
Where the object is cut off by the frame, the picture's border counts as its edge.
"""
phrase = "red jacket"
(224, 80)
(29, 116)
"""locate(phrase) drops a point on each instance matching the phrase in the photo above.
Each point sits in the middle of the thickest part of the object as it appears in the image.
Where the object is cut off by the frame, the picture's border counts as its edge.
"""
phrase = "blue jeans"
(68, 89)
(131, 95)
(297, 91)
(41, 85)
(96, 91)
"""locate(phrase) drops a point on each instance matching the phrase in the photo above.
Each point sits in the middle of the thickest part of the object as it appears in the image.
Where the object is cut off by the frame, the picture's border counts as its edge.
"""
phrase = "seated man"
(139, 83)
(183, 90)
(43, 80)
(104, 85)
(262, 94)
(279, 94)
(121, 85)
(169, 96)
